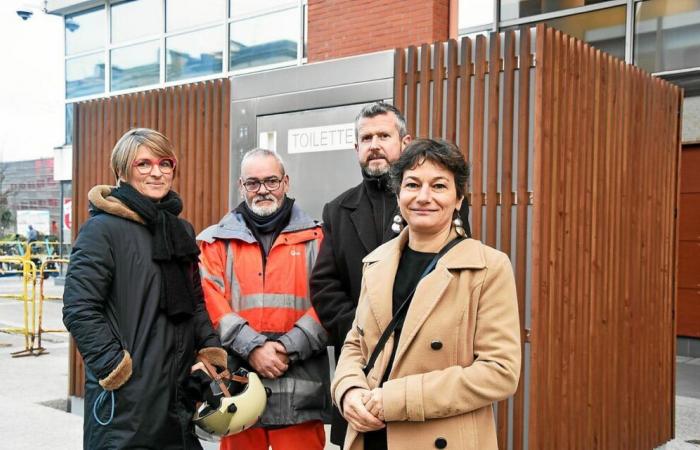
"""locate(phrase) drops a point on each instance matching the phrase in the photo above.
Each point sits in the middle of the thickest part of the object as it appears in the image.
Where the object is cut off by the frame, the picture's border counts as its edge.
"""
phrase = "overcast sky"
(31, 82)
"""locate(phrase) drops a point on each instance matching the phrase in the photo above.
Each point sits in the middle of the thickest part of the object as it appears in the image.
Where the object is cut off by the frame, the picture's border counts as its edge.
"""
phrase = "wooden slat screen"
(195, 117)
(484, 107)
(604, 250)
(584, 206)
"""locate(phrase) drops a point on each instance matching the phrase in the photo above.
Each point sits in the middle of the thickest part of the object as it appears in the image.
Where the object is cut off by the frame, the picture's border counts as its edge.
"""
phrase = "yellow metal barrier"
(20, 258)
(12, 249)
(57, 263)
(28, 276)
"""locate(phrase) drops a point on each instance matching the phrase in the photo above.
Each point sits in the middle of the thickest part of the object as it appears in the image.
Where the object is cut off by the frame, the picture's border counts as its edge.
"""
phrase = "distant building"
(29, 185)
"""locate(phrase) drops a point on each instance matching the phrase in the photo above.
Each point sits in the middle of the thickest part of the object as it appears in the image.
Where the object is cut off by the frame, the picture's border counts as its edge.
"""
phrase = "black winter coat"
(111, 304)
(348, 236)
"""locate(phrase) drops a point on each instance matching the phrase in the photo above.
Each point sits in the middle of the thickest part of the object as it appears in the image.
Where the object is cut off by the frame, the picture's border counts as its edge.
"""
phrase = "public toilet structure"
(574, 173)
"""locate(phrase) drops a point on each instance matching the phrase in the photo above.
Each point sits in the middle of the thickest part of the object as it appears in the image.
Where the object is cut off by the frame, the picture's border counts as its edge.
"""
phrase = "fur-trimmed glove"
(119, 375)
(216, 355)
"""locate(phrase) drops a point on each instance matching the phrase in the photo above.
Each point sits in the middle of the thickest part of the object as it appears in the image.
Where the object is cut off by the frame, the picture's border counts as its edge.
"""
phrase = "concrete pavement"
(33, 390)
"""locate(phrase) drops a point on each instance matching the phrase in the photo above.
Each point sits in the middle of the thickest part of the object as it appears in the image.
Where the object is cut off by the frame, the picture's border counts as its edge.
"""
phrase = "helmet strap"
(218, 377)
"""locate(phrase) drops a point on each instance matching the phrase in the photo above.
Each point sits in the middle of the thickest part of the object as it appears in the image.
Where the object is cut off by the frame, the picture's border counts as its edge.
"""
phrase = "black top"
(411, 266)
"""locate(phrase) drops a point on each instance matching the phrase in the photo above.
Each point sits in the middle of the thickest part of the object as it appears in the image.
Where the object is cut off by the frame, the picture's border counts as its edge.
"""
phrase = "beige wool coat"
(458, 353)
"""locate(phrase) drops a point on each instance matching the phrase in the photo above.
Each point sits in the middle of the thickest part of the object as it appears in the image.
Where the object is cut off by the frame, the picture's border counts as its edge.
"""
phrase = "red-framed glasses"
(166, 165)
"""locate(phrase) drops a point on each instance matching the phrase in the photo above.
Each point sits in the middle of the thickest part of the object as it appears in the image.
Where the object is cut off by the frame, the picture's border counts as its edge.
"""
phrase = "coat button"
(440, 442)
(436, 345)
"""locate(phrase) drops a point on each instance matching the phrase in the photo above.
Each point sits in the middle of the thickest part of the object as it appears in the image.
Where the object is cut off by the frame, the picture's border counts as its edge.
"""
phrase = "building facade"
(119, 47)
(30, 186)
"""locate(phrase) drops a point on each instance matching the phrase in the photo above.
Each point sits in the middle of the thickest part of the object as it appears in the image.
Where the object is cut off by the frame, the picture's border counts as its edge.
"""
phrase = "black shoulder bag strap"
(402, 309)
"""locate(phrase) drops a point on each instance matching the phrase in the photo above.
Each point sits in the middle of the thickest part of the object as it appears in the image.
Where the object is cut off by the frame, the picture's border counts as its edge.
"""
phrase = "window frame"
(162, 35)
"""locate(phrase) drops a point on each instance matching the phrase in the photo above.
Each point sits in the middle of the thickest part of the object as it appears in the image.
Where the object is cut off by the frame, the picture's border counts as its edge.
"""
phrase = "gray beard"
(264, 211)
(375, 172)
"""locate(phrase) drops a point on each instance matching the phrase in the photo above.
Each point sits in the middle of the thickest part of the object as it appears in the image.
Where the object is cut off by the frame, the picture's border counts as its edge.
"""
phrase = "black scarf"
(174, 249)
(267, 225)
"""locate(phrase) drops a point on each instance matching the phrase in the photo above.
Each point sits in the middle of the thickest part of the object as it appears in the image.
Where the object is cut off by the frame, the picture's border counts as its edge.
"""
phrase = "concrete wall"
(691, 120)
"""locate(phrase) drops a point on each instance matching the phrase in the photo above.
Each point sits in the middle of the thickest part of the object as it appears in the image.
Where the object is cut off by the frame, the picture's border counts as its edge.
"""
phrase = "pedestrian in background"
(133, 302)
(435, 340)
(32, 234)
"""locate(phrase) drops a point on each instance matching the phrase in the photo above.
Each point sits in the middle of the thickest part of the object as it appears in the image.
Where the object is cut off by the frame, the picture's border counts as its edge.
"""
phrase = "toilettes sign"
(321, 139)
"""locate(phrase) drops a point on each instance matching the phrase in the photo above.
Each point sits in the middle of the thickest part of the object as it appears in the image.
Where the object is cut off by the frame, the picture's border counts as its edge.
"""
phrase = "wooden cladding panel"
(602, 262)
(195, 118)
(603, 251)
(452, 91)
(688, 313)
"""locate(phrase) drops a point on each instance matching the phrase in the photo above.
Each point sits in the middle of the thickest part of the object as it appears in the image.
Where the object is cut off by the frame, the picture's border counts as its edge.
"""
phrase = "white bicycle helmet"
(233, 403)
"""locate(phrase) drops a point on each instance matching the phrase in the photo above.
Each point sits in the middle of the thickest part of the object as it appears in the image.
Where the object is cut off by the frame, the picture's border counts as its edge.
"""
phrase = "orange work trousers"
(304, 436)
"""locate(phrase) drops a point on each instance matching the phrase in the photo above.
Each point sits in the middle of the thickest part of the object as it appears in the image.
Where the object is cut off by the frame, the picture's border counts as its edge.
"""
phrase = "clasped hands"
(269, 360)
(364, 409)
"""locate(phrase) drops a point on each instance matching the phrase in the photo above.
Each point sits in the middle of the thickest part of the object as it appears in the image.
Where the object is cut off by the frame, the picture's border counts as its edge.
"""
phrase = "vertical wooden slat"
(225, 132)
(465, 95)
(542, 60)
(412, 95)
(438, 77)
(478, 144)
(218, 172)
(208, 158)
(424, 100)
(521, 221)
(492, 146)
(507, 146)
(196, 163)
(189, 96)
(451, 99)
(399, 78)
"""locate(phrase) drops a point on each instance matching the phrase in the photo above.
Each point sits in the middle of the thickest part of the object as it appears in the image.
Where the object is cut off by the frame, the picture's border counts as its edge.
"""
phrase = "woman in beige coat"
(456, 349)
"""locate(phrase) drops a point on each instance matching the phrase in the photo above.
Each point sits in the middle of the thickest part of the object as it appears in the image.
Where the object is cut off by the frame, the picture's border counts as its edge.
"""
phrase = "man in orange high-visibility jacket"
(255, 267)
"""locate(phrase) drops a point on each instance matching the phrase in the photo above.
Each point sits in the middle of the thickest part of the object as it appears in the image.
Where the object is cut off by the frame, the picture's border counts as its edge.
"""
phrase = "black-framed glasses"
(253, 184)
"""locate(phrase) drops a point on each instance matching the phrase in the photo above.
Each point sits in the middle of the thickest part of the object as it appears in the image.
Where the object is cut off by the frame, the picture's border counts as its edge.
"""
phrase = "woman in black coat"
(133, 302)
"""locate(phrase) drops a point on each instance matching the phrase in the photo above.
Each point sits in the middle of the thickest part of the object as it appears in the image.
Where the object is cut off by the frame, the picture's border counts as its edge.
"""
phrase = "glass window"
(515, 9)
(133, 19)
(262, 40)
(473, 13)
(69, 124)
(194, 54)
(135, 65)
(603, 29)
(85, 31)
(181, 14)
(85, 75)
(244, 8)
(666, 35)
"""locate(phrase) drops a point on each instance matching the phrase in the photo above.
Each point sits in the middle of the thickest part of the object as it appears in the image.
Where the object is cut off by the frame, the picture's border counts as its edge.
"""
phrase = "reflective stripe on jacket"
(249, 304)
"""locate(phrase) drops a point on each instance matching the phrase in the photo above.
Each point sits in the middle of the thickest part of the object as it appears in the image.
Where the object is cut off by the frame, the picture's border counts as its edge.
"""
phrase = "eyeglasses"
(166, 165)
(253, 185)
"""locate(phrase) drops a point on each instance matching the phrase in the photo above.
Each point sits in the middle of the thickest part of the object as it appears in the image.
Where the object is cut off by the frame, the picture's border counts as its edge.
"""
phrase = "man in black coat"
(355, 223)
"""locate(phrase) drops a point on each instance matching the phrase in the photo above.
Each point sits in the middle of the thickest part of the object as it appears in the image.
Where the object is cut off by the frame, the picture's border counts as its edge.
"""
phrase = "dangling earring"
(459, 225)
(397, 224)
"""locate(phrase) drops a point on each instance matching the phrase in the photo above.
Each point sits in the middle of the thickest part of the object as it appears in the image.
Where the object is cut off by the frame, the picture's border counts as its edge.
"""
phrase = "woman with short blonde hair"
(133, 302)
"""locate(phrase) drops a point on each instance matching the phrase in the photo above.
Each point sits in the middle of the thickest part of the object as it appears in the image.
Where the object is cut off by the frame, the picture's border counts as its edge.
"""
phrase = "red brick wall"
(339, 28)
